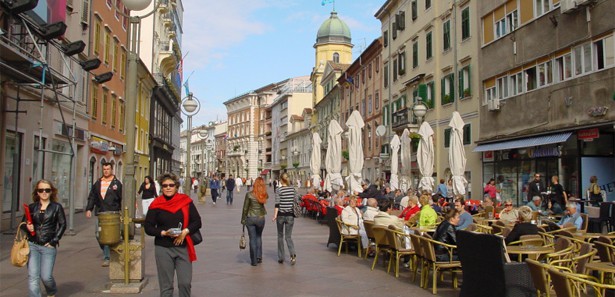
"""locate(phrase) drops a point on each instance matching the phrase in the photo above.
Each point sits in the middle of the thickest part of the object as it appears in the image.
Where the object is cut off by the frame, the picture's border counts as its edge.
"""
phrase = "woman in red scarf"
(174, 251)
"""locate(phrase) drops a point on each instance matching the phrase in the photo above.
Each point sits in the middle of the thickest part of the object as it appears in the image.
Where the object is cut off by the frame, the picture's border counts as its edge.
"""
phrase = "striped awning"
(523, 142)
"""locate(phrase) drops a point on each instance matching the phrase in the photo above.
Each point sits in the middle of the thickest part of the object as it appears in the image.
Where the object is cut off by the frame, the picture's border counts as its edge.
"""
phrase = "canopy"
(395, 143)
(355, 126)
(457, 154)
(333, 157)
(405, 160)
(315, 160)
(425, 157)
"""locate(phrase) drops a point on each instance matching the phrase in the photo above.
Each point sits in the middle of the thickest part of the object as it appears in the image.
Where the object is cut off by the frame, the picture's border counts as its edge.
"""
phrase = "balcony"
(400, 118)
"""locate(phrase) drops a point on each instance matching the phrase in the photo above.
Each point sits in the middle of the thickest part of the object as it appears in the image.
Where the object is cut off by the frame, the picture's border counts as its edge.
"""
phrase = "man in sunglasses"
(534, 188)
(105, 196)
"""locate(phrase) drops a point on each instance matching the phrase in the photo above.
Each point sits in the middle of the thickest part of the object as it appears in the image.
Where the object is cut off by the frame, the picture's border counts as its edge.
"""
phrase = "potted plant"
(466, 92)
(415, 138)
(446, 98)
(283, 166)
(236, 148)
(295, 164)
(346, 155)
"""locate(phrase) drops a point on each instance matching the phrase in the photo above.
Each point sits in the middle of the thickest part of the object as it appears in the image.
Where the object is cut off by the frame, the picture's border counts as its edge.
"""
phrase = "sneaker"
(105, 263)
(280, 261)
(214, 203)
(259, 260)
(293, 260)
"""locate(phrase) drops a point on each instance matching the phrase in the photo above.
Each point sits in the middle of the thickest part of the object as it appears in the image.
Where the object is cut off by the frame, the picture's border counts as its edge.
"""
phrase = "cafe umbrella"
(425, 157)
(333, 157)
(315, 160)
(405, 160)
(395, 142)
(457, 155)
(355, 126)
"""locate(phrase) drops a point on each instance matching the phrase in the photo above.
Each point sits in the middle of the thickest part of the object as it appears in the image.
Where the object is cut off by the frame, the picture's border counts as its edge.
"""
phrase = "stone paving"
(224, 270)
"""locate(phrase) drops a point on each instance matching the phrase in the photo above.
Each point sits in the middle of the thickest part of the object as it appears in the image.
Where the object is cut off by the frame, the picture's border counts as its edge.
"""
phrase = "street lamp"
(419, 110)
(190, 107)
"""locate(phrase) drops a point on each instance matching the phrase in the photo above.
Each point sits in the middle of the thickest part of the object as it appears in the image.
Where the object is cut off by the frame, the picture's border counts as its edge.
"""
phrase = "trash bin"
(109, 224)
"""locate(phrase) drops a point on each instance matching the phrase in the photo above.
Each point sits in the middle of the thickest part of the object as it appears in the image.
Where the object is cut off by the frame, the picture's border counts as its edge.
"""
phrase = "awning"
(265, 172)
(523, 142)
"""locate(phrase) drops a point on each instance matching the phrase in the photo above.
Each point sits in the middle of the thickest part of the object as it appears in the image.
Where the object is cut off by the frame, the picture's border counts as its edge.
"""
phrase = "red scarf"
(178, 202)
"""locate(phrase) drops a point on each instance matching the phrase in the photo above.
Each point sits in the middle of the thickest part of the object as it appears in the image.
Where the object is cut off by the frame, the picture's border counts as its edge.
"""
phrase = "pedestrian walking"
(45, 228)
(171, 218)
(148, 192)
(105, 196)
(230, 186)
(214, 185)
(283, 216)
(253, 217)
(195, 185)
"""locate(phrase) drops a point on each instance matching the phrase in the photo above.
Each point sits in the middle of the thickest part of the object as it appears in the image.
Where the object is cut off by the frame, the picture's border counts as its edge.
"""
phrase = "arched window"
(336, 57)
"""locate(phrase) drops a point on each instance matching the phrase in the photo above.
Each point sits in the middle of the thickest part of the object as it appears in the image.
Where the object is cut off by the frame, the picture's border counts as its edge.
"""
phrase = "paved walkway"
(224, 270)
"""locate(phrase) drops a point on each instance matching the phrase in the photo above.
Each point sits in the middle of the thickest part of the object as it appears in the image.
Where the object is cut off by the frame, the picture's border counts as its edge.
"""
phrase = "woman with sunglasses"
(174, 249)
(45, 228)
(509, 214)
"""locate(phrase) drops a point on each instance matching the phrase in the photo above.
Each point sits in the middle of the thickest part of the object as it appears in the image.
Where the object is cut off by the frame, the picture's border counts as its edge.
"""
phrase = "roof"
(333, 30)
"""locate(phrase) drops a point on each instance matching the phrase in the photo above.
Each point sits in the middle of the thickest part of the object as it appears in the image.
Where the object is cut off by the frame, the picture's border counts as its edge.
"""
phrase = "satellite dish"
(380, 130)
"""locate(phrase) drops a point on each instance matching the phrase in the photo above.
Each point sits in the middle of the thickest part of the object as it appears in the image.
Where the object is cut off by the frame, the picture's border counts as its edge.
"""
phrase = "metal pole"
(187, 180)
(455, 74)
(129, 193)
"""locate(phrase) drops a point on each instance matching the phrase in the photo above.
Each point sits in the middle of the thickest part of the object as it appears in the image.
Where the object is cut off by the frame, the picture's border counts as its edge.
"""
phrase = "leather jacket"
(445, 232)
(251, 208)
(52, 226)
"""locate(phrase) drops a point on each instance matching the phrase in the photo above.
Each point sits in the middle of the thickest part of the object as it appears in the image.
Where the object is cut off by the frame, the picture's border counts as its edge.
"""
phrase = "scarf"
(178, 202)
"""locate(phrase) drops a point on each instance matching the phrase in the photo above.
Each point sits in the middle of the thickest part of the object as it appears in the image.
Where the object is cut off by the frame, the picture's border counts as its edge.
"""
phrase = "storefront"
(573, 156)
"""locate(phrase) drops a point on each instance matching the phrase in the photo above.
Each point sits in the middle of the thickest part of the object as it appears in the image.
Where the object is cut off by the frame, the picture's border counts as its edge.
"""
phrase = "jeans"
(255, 227)
(105, 248)
(40, 267)
(214, 195)
(285, 231)
(229, 197)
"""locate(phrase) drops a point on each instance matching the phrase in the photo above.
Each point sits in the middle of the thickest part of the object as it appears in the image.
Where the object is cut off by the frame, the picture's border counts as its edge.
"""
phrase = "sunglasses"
(168, 185)
(507, 204)
(47, 190)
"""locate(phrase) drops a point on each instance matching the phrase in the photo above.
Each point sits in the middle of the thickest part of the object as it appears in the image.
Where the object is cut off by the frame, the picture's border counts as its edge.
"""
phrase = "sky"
(232, 47)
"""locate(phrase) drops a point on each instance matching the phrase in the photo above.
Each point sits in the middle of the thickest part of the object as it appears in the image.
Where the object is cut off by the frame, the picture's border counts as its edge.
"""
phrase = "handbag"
(242, 240)
(196, 237)
(297, 209)
(20, 252)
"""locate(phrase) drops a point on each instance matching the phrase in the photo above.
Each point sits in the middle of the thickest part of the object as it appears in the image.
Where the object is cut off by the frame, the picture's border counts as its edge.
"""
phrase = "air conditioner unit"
(493, 104)
(569, 6)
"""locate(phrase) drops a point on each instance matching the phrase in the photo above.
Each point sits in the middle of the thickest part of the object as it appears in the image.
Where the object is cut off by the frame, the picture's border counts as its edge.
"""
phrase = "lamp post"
(190, 107)
(419, 110)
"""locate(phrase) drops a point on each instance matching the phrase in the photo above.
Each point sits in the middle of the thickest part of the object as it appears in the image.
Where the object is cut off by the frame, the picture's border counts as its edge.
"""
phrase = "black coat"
(519, 230)
(534, 188)
(230, 184)
(49, 227)
(112, 201)
(371, 192)
(445, 232)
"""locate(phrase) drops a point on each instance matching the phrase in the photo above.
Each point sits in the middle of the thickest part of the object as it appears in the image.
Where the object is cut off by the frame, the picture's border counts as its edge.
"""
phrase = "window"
(530, 78)
(363, 75)
(541, 7)
(369, 137)
(414, 10)
(377, 64)
(385, 38)
(464, 82)
(604, 52)
(545, 74)
(512, 20)
(395, 70)
(447, 89)
(431, 93)
(447, 35)
(563, 67)
(104, 106)
(490, 93)
(427, 4)
(369, 104)
(582, 59)
(415, 54)
(116, 57)
(123, 64)
(108, 45)
(376, 101)
(465, 23)
(502, 88)
(402, 63)
(394, 32)
(369, 70)
(467, 136)
(516, 84)
(122, 115)
(97, 29)
(428, 46)
(336, 57)
(94, 100)
(400, 19)
(113, 111)
(500, 28)
(386, 75)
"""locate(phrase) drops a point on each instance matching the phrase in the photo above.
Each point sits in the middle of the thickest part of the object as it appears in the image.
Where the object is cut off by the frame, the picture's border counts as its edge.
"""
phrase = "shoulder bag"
(297, 209)
(20, 252)
(242, 240)
(196, 237)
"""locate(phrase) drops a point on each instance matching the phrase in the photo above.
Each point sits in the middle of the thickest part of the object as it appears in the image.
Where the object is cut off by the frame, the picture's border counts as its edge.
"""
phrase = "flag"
(349, 81)
(324, 2)
(186, 87)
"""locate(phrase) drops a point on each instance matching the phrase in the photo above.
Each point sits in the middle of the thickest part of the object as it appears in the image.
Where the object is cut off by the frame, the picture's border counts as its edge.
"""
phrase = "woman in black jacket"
(148, 188)
(45, 228)
(445, 232)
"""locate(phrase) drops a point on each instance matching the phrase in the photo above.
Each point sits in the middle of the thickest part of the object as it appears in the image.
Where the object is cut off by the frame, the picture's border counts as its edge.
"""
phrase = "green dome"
(333, 30)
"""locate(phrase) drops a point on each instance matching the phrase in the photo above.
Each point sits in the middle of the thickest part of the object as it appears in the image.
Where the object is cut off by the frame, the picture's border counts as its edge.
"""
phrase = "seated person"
(384, 217)
(353, 221)
(486, 206)
(412, 209)
(404, 201)
(536, 205)
(445, 232)
(427, 216)
(509, 213)
(524, 227)
(372, 209)
(465, 218)
(435, 203)
(571, 216)
(339, 205)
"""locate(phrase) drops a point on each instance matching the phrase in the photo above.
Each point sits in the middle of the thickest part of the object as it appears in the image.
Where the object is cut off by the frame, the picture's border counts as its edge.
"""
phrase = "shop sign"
(588, 134)
(488, 156)
(544, 152)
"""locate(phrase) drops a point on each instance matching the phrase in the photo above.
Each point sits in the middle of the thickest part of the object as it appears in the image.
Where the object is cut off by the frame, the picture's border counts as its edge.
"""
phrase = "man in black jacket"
(230, 186)
(105, 196)
(534, 187)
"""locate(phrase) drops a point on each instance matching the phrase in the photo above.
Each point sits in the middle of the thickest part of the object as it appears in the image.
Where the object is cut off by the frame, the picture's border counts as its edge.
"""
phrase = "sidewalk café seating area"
(558, 261)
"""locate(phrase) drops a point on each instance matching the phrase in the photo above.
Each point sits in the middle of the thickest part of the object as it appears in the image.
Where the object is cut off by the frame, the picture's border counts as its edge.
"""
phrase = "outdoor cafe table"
(603, 268)
(587, 236)
(528, 250)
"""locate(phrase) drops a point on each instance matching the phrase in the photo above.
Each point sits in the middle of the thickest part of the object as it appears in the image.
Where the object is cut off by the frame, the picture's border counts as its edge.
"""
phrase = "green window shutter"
(432, 100)
(467, 134)
(460, 74)
(469, 80)
(422, 92)
(447, 137)
(443, 91)
(452, 80)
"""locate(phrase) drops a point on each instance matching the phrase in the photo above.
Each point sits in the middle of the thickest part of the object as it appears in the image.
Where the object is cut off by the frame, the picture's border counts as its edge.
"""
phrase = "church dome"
(333, 30)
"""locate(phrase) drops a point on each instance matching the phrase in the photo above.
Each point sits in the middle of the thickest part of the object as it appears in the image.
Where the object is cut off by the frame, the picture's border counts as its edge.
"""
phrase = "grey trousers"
(170, 260)
(285, 232)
